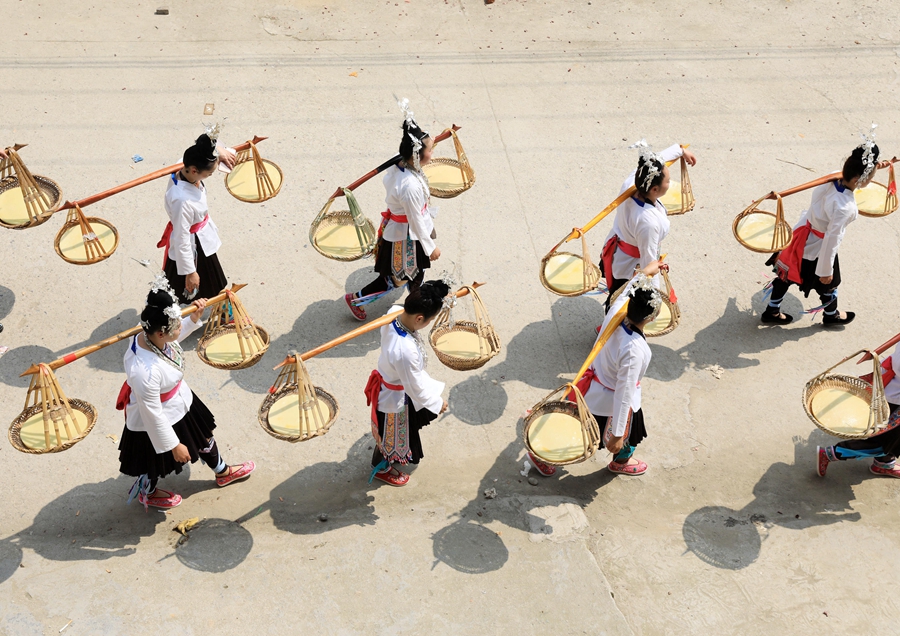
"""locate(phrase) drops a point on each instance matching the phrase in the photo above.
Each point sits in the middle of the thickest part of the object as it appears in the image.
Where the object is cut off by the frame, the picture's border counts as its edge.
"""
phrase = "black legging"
(383, 284)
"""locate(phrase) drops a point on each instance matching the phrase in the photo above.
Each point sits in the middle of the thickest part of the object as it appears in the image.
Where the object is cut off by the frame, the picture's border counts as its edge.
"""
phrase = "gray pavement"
(729, 532)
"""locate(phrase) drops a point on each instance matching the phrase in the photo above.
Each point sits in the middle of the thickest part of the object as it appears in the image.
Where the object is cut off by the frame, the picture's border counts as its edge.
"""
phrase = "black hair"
(406, 143)
(202, 155)
(639, 307)
(645, 166)
(154, 317)
(854, 166)
(427, 299)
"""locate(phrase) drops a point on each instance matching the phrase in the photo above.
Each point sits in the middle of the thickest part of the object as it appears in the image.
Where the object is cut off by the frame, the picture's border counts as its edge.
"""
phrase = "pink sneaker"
(547, 470)
(877, 469)
(633, 470)
(358, 312)
(235, 473)
(822, 461)
(160, 499)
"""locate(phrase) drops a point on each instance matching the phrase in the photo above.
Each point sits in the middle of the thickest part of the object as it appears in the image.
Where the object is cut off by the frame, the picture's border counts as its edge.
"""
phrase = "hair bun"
(160, 299)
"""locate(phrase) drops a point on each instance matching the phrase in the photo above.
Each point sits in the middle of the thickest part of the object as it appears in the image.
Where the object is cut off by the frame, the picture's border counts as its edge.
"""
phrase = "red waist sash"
(373, 390)
(387, 215)
(167, 235)
(791, 257)
(125, 395)
(609, 251)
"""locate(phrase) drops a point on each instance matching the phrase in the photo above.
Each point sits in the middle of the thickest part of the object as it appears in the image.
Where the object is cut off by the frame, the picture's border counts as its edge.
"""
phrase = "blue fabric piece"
(839, 187)
(383, 465)
(400, 331)
(849, 453)
(639, 202)
(625, 454)
(627, 330)
(141, 486)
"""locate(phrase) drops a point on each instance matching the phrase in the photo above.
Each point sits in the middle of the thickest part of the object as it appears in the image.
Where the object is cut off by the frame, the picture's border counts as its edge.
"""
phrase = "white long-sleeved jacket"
(619, 367)
(186, 206)
(892, 388)
(832, 209)
(149, 377)
(642, 225)
(401, 363)
(405, 195)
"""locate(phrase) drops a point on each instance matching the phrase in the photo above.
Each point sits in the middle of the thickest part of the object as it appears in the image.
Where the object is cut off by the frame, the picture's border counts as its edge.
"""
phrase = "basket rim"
(530, 419)
(262, 415)
(55, 188)
(874, 215)
(854, 385)
(232, 366)
(758, 250)
(15, 438)
(551, 289)
(449, 193)
(68, 225)
(329, 219)
(245, 199)
(456, 362)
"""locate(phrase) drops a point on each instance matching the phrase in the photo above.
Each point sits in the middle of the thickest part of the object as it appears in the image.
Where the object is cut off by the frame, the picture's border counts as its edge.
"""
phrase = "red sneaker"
(160, 499)
(393, 477)
(358, 312)
(893, 471)
(545, 469)
(822, 461)
(633, 470)
(235, 473)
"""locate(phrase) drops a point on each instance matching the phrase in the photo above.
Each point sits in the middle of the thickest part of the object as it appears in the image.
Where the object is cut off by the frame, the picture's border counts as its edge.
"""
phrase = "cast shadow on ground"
(468, 546)
(320, 322)
(788, 495)
(7, 300)
(481, 399)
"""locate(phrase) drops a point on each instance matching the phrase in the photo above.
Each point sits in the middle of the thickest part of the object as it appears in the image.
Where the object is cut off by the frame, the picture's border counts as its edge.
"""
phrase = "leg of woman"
(381, 469)
(773, 310)
(624, 462)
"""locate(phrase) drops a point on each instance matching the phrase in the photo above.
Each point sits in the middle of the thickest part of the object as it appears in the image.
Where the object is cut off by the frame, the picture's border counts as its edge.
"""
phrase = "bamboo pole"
(387, 164)
(162, 172)
(350, 335)
(834, 176)
(76, 355)
(619, 200)
(887, 345)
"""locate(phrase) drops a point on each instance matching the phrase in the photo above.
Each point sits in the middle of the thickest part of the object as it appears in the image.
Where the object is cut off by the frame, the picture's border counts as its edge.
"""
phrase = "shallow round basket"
(278, 414)
(13, 214)
(563, 274)
(871, 200)
(755, 229)
(554, 435)
(445, 178)
(223, 351)
(335, 237)
(241, 181)
(26, 433)
(672, 200)
(458, 346)
(839, 405)
(70, 245)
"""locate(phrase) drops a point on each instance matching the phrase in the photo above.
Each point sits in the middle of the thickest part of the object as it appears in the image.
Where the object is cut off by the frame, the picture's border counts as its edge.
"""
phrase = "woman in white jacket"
(166, 425)
(406, 244)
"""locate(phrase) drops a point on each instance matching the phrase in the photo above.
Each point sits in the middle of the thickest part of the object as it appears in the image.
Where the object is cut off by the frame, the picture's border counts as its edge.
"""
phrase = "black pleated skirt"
(212, 278)
(638, 430)
(138, 457)
(417, 421)
(385, 257)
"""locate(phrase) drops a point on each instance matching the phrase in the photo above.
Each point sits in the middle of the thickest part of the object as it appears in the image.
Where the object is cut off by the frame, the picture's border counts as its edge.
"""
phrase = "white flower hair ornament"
(645, 283)
(410, 121)
(649, 157)
(213, 131)
(868, 157)
(173, 311)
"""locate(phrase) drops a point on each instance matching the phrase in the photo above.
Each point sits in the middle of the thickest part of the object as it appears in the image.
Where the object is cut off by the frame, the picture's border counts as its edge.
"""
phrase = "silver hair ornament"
(645, 283)
(173, 311)
(649, 157)
(868, 157)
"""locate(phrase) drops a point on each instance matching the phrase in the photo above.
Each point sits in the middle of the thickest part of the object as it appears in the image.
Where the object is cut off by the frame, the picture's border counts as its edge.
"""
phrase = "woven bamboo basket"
(26, 200)
(50, 422)
(294, 404)
(253, 179)
(465, 345)
(569, 274)
(876, 199)
(231, 340)
(85, 240)
(847, 406)
(343, 235)
(667, 316)
(448, 178)
(762, 231)
(559, 431)
(680, 197)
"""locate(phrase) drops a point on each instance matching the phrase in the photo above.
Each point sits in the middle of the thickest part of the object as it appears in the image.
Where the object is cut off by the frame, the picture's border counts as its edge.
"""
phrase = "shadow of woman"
(88, 523)
(297, 503)
(787, 495)
(7, 300)
(531, 356)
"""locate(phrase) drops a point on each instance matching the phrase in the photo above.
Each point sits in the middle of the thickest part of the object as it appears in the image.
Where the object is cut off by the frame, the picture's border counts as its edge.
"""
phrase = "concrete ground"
(730, 531)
